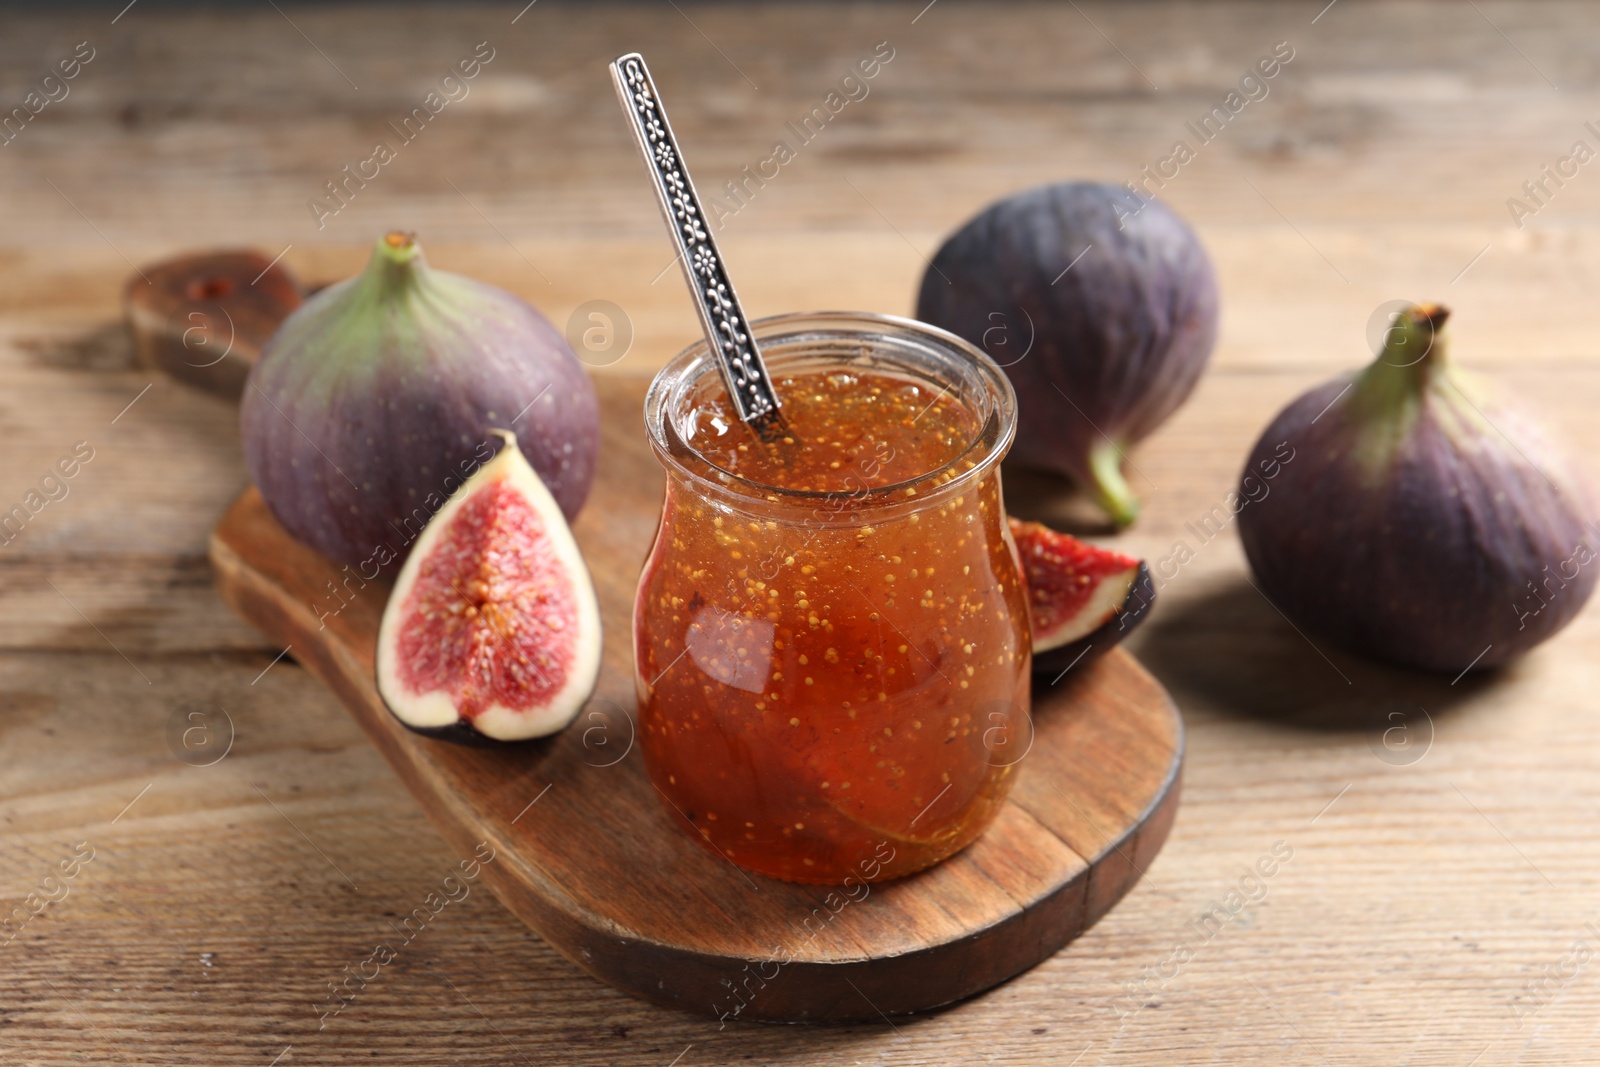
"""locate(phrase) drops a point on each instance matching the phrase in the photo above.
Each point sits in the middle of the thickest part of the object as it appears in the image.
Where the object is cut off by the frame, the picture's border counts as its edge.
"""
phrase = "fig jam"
(831, 635)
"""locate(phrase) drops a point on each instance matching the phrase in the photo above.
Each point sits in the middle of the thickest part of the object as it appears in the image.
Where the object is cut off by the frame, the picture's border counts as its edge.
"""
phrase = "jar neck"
(845, 508)
(856, 342)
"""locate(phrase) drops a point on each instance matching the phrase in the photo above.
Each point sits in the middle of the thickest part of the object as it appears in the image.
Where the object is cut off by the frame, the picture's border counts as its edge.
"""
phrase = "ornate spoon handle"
(721, 316)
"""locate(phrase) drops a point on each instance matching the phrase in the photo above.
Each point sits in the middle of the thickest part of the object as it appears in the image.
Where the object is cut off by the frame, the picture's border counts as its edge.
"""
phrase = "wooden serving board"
(586, 854)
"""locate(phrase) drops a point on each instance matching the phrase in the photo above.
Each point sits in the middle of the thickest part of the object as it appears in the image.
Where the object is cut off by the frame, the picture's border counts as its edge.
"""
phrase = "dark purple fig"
(1418, 515)
(376, 400)
(1101, 307)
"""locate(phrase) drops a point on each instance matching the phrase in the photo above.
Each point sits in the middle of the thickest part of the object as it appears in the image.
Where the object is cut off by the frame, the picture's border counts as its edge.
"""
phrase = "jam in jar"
(831, 631)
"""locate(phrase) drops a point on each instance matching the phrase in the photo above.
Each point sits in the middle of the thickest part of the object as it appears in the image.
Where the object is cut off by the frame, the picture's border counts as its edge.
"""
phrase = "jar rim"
(691, 365)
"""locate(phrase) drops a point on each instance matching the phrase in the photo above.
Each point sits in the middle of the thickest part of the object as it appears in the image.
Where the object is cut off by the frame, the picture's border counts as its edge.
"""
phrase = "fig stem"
(1414, 339)
(1414, 351)
(395, 265)
(1110, 488)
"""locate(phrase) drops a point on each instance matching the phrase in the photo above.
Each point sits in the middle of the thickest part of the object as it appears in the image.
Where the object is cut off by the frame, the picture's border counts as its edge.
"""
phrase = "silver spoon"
(721, 316)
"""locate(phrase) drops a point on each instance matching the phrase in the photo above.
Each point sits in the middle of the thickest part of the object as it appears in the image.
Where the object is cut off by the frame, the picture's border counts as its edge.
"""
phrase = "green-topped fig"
(376, 399)
(1422, 517)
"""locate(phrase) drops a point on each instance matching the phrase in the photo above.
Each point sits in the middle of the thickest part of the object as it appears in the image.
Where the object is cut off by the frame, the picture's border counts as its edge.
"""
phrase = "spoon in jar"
(722, 318)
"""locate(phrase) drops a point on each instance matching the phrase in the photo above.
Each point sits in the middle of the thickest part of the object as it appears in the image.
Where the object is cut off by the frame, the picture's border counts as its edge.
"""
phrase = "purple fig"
(1420, 516)
(376, 400)
(1101, 307)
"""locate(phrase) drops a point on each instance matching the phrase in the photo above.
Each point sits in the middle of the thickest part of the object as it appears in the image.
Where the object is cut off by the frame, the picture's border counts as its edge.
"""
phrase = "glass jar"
(823, 675)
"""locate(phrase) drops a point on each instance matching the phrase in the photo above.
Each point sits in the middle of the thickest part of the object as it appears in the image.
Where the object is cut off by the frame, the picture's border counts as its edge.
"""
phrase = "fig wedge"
(492, 631)
(1082, 600)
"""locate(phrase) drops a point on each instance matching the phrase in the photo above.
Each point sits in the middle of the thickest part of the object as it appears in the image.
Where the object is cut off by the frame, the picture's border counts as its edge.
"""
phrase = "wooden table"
(1436, 908)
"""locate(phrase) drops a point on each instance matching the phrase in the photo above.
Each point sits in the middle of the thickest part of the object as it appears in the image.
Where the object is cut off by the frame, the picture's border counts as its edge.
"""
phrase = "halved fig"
(1082, 600)
(204, 318)
(492, 630)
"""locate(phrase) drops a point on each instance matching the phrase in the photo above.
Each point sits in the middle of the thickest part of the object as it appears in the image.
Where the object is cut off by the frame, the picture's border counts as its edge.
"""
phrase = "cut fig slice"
(1082, 600)
(205, 318)
(492, 630)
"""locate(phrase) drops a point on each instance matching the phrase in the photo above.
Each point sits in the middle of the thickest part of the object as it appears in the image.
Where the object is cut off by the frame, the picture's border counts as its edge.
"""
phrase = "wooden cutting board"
(585, 852)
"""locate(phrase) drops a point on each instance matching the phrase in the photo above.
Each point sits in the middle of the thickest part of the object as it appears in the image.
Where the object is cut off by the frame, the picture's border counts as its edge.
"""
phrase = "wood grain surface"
(1440, 877)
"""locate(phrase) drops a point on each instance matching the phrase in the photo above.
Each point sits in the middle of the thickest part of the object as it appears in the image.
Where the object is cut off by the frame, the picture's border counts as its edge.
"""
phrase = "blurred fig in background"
(1101, 307)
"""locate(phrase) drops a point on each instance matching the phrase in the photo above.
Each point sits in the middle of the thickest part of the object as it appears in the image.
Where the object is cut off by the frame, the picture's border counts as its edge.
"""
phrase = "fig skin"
(1118, 341)
(375, 400)
(1420, 511)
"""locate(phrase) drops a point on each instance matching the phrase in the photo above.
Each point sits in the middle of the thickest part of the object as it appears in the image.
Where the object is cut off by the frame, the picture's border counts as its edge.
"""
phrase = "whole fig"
(1102, 309)
(1420, 516)
(374, 401)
